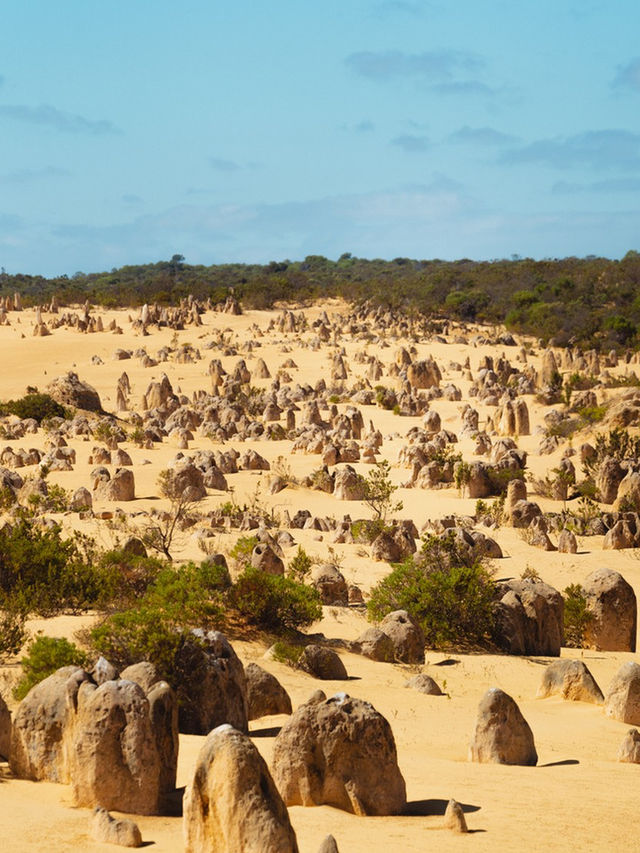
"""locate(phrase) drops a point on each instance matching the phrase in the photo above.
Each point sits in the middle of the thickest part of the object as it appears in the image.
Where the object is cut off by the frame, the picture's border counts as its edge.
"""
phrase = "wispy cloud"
(614, 185)
(222, 165)
(32, 176)
(412, 144)
(435, 67)
(597, 149)
(486, 136)
(48, 116)
(628, 76)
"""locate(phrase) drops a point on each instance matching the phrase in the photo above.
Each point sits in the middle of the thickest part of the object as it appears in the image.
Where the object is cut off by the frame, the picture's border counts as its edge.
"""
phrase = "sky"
(133, 130)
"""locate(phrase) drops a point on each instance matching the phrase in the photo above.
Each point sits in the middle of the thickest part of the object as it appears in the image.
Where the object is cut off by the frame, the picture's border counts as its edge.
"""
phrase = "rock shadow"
(431, 808)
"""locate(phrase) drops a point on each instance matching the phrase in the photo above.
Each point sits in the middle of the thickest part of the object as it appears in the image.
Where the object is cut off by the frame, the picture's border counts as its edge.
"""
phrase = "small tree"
(379, 490)
(160, 532)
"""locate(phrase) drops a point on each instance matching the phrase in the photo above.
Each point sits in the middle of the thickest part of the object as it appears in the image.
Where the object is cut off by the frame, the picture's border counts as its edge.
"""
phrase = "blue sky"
(252, 131)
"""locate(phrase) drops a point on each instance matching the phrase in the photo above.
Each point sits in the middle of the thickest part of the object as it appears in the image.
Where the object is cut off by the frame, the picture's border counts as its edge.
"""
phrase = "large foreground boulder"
(622, 701)
(612, 602)
(340, 752)
(216, 691)
(572, 680)
(529, 618)
(231, 804)
(502, 735)
(115, 759)
(40, 738)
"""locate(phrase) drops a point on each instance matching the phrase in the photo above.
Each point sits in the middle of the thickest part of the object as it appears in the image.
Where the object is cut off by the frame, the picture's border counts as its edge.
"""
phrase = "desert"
(304, 404)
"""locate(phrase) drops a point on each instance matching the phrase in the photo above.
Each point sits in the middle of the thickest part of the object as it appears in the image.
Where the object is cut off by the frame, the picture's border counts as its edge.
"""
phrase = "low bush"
(13, 633)
(300, 565)
(448, 593)
(44, 656)
(242, 550)
(286, 653)
(577, 617)
(35, 405)
(273, 602)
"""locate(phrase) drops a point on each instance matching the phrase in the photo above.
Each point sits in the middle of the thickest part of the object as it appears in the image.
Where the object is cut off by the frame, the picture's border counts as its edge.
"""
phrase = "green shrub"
(12, 632)
(300, 565)
(242, 550)
(43, 573)
(448, 593)
(273, 602)
(577, 617)
(35, 405)
(44, 656)
(126, 577)
(190, 595)
(286, 653)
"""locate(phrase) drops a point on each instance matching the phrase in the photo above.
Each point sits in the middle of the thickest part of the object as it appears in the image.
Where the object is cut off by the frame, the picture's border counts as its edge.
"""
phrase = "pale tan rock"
(109, 830)
(629, 751)
(612, 602)
(622, 701)
(265, 694)
(406, 635)
(454, 818)
(340, 752)
(572, 680)
(502, 735)
(231, 804)
(5, 729)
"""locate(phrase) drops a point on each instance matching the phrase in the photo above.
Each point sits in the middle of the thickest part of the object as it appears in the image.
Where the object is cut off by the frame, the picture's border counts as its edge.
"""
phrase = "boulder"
(406, 635)
(629, 751)
(266, 560)
(110, 830)
(529, 618)
(265, 694)
(608, 479)
(69, 390)
(622, 701)
(328, 845)
(5, 730)
(339, 752)
(612, 602)
(423, 683)
(567, 542)
(502, 735)
(331, 585)
(348, 485)
(163, 713)
(121, 487)
(187, 480)
(143, 673)
(40, 737)
(231, 804)
(376, 645)
(115, 760)
(454, 818)
(322, 663)
(572, 680)
(81, 499)
(218, 692)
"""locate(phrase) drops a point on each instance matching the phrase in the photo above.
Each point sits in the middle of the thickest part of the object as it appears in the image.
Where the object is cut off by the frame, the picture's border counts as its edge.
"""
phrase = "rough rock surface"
(502, 735)
(5, 729)
(69, 390)
(340, 752)
(529, 618)
(115, 759)
(612, 602)
(265, 694)
(454, 818)
(376, 645)
(423, 683)
(406, 635)
(622, 701)
(322, 663)
(110, 830)
(629, 751)
(570, 679)
(232, 804)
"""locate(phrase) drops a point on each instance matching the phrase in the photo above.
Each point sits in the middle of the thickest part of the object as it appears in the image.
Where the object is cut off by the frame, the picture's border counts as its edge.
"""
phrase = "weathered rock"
(454, 818)
(143, 673)
(619, 537)
(502, 735)
(232, 804)
(69, 390)
(567, 542)
(479, 483)
(529, 618)
(622, 701)
(331, 585)
(322, 663)
(81, 499)
(423, 683)
(103, 671)
(572, 680)
(376, 645)
(612, 602)
(115, 760)
(328, 845)
(5, 730)
(265, 558)
(109, 830)
(163, 713)
(340, 752)
(348, 485)
(219, 693)
(121, 487)
(40, 737)
(406, 635)
(608, 479)
(265, 694)
(629, 751)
